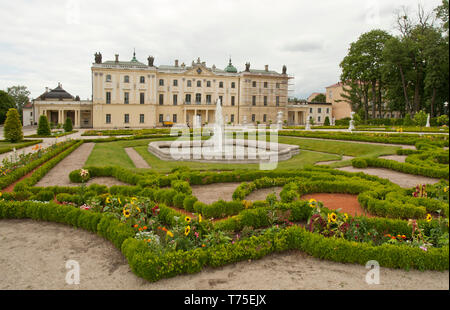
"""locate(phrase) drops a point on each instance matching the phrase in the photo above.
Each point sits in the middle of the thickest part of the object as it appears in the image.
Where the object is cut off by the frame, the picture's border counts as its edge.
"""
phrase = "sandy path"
(344, 157)
(213, 192)
(137, 159)
(261, 194)
(399, 158)
(400, 178)
(33, 256)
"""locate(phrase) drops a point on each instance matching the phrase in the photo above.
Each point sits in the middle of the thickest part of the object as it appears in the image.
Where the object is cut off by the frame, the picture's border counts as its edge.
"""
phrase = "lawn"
(312, 151)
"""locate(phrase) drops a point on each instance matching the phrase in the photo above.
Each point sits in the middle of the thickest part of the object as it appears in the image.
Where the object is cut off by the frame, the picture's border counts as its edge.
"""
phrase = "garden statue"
(247, 67)
(284, 69)
(428, 121)
(308, 123)
(279, 120)
(98, 58)
(352, 122)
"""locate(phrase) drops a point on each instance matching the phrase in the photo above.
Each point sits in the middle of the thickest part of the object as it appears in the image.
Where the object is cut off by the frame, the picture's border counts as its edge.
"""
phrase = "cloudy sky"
(46, 42)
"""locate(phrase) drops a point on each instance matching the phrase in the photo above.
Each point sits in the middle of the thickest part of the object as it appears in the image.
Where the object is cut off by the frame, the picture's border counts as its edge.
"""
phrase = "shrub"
(43, 126)
(68, 125)
(178, 200)
(442, 120)
(408, 121)
(421, 118)
(188, 203)
(13, 126)
(327, 121)
(359, 163)
(45, 195)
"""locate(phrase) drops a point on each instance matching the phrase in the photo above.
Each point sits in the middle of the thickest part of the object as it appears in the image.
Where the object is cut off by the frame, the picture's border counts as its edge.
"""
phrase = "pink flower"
(424, 248)
(196, 234)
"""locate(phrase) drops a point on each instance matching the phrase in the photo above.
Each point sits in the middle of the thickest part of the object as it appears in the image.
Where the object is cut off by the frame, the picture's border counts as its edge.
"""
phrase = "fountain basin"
(232, 151)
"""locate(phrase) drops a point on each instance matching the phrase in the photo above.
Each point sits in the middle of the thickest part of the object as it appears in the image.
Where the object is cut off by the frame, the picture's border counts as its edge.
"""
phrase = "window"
(198, 98)
(126, 98)
(330, 94)
(199, 83)
(265, 84)
(175, 99)
(175, 82)
(318, 119)
(208, 99)
(142, 79)
(221, 100)
(161, 118)
(310, 110)
(141, 118)
(161, 99)
(253, 100)
(233, 85)
(108, 78)
(277, 85)
(126, 79)
(265, 118)
(188, 98)
(161, 82)
(220, 84)
(126, 118)
(208, 83)
(174, 117)
(254, 83)
(232, 118)
(189, 83)
(319, 110)
(265, 100)
(141, 98)
(108, 118)
(277, 100)
(328, 110)
(253, 117)
(108, 97)
(232, 100)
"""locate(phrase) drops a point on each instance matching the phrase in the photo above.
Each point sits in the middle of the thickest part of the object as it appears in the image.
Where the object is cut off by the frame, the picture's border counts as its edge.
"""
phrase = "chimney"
(266, 68)
(117, 58)
(176, 62)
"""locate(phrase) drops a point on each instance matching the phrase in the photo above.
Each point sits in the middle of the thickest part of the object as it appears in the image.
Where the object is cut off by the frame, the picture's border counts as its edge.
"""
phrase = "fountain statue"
(428, 121)
(352, 122)
(308, 123)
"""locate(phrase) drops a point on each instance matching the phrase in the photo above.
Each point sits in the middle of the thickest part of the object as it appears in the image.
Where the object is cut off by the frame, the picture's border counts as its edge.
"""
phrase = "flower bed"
(159, 241)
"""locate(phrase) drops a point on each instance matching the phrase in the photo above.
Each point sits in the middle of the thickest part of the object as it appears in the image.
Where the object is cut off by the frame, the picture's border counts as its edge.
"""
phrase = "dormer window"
(108, 78)
(126, 79)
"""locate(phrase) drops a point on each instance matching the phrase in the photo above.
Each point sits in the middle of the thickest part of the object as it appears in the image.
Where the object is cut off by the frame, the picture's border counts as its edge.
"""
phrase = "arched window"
(199, 83)
(189, 83)
(108, 78)
(126, 79)
(198, 98)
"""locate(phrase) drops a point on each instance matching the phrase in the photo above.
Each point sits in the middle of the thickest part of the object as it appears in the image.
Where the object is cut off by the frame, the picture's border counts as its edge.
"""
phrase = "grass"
(53, 135)
(6, 146)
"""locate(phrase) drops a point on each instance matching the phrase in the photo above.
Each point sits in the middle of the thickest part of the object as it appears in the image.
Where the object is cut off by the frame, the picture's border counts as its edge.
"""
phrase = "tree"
(442, 14)
(68, 125)
(421, 118)
(6, 103)
(319, 98)
(43, 126)
(20, 94)
(13, 126)
(327, 121)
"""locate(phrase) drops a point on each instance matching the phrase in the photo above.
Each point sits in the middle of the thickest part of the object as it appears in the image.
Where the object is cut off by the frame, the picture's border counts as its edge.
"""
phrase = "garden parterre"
(163, 230)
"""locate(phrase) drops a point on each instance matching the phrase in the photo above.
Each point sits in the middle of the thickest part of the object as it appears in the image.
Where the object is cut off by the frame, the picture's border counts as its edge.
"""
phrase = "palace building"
(133, 94)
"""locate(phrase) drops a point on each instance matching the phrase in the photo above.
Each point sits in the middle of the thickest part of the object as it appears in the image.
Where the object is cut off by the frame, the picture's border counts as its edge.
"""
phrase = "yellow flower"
(312, 203)
(199, 218)
(133, 200)
(445, 189)
(108, 200)
(119, 200)
(137, 208)
(126, 212)
(170, 234)
(345, 216)
(187, 230)
(187, 219)
(429, 217)
(333, 217)
(1, 194)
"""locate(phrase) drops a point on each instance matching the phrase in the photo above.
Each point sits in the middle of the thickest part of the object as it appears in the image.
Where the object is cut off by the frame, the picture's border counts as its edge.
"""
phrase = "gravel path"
(399, 158)
(344, 157)
(400, 178)
(137, 159)
(33, 256)
(213, 192)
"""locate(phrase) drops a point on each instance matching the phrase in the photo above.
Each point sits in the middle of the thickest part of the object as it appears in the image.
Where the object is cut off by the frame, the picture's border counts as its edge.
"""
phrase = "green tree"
(20, 94)
(442, 14)
(43, 126)
(6, 103)
(421, 118)
(13, 126)
(319, 98)
(68, 125)
(327, 121)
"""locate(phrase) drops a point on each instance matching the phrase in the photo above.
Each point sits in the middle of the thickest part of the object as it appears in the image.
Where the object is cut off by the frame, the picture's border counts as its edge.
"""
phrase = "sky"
(46, 42)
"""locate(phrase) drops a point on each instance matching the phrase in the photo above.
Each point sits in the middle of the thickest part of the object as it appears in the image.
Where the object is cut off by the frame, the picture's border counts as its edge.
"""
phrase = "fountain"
(351, 125)
(222, 147)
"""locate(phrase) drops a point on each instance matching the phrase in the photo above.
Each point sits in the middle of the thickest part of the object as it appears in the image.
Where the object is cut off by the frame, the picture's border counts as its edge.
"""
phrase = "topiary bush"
(359, 163)
(68, 125)
(327, 121)
(13, 126)
(44, 126)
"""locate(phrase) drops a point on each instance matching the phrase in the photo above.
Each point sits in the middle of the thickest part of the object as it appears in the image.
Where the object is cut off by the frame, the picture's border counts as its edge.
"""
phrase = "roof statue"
(284, 69)
(150, 61)
(247, 67)
(98, 58)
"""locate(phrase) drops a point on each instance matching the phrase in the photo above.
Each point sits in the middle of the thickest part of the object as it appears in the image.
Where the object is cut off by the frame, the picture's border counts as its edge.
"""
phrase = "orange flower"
(165, 229)
(203, 245)
(393, 237)
(403, 236)
(135, 225)
(145, 227)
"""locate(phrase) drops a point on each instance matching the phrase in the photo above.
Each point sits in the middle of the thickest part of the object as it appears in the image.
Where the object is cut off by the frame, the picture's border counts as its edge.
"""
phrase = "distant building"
(341, 108)
(299, 112)
(313, 95)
